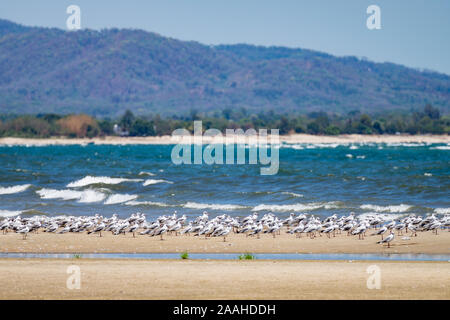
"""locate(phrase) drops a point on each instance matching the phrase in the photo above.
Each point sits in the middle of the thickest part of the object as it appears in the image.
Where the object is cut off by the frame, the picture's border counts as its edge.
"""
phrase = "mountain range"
(103, 73)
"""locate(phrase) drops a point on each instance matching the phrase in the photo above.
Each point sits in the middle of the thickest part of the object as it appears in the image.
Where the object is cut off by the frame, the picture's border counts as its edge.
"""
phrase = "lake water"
(393, 180)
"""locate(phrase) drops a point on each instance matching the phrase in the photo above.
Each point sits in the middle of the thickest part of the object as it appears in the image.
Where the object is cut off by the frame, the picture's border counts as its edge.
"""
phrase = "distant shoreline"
(167, 140)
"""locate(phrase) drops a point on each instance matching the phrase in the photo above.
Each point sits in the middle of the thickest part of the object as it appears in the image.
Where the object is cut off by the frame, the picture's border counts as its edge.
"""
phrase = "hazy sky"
(414, 33)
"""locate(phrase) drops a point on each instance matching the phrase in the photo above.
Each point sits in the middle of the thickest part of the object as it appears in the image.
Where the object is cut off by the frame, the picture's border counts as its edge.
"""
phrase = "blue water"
(388, 179)
(234, 256)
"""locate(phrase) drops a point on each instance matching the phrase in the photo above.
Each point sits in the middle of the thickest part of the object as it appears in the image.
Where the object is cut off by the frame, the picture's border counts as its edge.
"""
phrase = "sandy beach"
(425, 242)
(200, 279)
(293, 139)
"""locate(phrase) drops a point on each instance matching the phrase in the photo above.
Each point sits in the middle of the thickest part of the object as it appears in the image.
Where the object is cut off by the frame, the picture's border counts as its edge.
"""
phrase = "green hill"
(103, 73)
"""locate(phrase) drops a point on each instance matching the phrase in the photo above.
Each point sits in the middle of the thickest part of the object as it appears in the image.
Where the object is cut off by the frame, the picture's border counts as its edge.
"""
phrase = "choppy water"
(319, 179)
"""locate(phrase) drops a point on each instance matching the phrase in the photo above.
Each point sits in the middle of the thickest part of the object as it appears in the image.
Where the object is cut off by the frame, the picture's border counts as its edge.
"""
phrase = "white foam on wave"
(120, 198)
(405, 144)
(59, 194)
(441, 148)
(195, 205)
(324, 145)
(89, 196)
(292, 146)
(146, 173)
(85, 196)
(147, 203)
(393, 209)
(297, 195)
(382, 216)
(14, 189)
(8, 213)
(296, 207)
(442, 210)
(88, 180)
(155, 181)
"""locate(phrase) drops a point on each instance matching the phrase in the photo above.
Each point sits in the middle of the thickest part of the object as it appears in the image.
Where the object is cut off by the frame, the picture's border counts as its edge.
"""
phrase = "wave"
(393, 209)
(195, 205)
(88, 180)
(405, 144)
(8, 213)
(89, 196)
(441, 148)
(382, 216)
(296, 207)
(85, 196)
(120, 198)
(146, 173)
(297, 195)
(147, 203)
(292, 146)
(442, 210)
(155, 181)
(14, 189)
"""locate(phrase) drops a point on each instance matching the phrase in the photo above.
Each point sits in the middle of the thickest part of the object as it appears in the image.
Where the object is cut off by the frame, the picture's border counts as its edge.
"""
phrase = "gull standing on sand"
(381, 232)
(388, 239)
(160, 231)
(24, 231)
(98, 229)
(133, 229)
(224, 233)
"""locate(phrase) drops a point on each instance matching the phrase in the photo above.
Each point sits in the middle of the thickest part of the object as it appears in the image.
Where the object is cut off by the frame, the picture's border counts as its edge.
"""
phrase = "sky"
(415, 33)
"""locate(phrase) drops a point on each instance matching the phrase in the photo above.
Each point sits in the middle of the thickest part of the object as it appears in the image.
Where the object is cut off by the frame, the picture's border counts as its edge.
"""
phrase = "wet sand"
(295, 138)
(204, 279)
(425, 242)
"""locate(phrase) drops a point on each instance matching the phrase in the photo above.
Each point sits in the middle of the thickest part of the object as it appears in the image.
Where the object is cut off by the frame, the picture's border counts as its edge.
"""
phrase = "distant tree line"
(428, 121)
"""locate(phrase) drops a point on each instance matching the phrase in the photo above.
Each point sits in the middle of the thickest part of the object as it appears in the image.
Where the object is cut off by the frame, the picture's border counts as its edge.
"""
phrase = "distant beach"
(291, 139)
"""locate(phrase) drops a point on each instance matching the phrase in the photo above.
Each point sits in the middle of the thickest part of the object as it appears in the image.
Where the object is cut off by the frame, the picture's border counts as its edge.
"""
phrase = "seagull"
(52, 228)
(175, 228)
(298, 230)
(360, 231)
(435, 226)
(413, 229)
(224, 233)
(187, 229)
(257, 230)
(98, 229)
(329, 230)
(4, 227)
(24, 231)
(388, 239)
(160, 231)
(133, 229)
(400, 228)
(274, 228)
(381, 232)
(390, 225)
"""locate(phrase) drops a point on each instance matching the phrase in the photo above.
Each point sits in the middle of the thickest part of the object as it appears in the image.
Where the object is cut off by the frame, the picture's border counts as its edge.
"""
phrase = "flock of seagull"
(223, 225)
